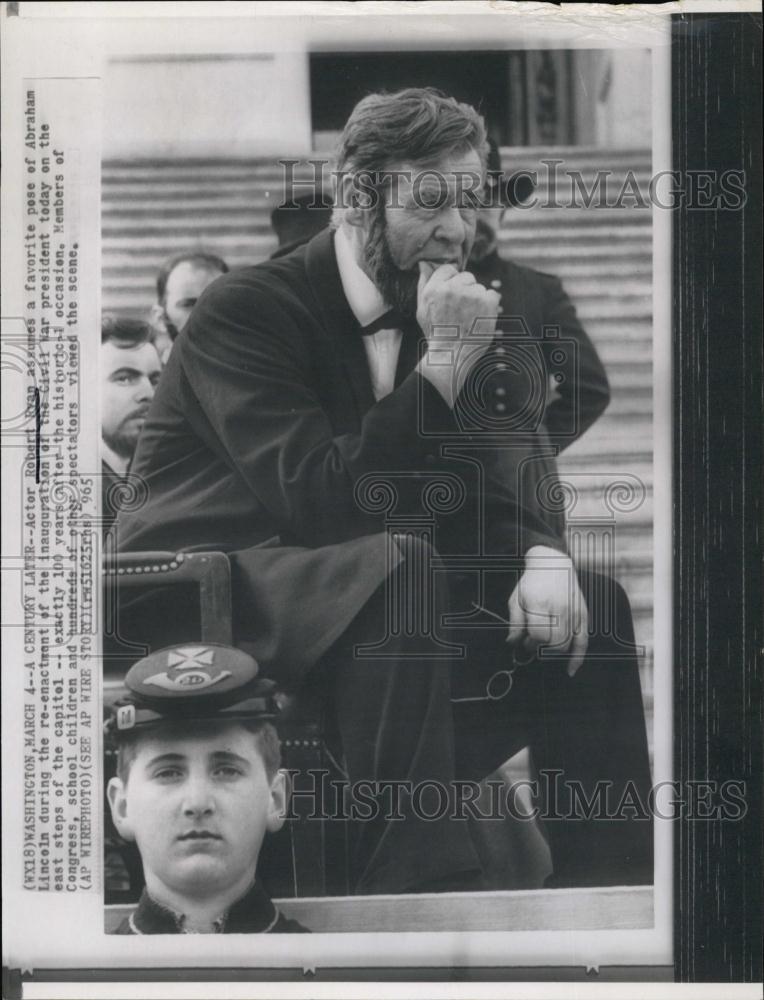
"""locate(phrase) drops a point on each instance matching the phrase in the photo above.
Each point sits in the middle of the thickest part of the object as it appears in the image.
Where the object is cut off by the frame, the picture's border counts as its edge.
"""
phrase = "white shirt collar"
(363, 296)
(115, 462)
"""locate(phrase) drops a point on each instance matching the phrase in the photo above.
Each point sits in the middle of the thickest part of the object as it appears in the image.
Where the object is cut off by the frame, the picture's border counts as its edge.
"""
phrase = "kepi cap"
(193, 682)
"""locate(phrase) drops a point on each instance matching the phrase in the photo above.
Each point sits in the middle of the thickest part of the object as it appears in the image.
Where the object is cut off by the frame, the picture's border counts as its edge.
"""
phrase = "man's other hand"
(547, 608)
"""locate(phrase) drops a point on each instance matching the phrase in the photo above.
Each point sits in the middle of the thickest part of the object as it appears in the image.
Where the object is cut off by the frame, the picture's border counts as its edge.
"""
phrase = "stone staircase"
(152, 209)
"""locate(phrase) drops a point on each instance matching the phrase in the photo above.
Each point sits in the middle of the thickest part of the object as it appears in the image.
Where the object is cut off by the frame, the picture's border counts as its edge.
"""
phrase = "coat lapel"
(408, 356)
(337, 317)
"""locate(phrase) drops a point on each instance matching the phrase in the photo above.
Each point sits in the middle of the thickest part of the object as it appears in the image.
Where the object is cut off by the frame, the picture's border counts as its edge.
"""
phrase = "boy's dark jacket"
(254, 913)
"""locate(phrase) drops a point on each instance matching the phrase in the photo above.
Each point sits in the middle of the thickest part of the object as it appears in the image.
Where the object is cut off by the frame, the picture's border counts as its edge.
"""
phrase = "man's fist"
(450, 303)
(547, 608)
(458, 318)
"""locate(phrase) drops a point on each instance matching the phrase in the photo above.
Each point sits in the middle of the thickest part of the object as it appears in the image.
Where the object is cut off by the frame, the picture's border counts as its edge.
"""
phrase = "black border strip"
(716, 69)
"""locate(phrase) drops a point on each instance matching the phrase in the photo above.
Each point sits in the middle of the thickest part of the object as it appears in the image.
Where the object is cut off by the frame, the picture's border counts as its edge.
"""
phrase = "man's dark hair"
(418, 123)
(125, 332)
(201, 258)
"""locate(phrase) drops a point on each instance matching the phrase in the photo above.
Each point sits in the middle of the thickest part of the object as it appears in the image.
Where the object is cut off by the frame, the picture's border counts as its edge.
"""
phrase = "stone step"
(592, 527)
(633, 531)
(570, 270)
(621, 346)
(630, 234)
(584, 154)
(619, 452)
(635, 562)
(578, 216)
(255, 203)
(159, 200)
(623, 378)
(184, 227)
(644, 627)
(563, 181)
(604, 309)
(610, 427)
(124, 296)
(639, 587)
(592, 286)
(151, 223)
(150, 172)
(583, 162)
(238, 249)
(598, 487)
(613, 445)
(512, 157)
(592, 480)
(609, 558)
(621, 370)
(123, 272)
(591, 305)
(590, 301)
(585, 294)
(599, 253)
(638, 562)
(622, 351)
(587, 259)
(540, 246)
(639, 329)
(167, 190)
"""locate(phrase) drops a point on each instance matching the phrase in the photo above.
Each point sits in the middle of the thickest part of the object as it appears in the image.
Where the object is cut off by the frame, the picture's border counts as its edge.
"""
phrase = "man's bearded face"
(129, 376)
(430, 219)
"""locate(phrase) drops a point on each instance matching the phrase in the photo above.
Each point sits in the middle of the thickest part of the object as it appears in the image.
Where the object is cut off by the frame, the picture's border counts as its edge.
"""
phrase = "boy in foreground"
(198, 786)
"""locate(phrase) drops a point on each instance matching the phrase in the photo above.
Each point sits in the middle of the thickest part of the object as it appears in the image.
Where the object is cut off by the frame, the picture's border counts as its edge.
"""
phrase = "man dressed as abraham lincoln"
(352, 423)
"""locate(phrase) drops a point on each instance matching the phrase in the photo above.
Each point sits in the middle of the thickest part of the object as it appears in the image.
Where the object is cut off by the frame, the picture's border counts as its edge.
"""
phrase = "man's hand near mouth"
(458, 318)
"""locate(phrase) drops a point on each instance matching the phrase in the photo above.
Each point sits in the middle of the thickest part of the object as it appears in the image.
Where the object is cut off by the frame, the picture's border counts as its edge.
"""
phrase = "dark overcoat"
(264, 440)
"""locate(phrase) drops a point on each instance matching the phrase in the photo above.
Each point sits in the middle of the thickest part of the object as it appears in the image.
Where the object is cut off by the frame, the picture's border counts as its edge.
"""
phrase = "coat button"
(500, 350)
(495, 283)
(500, 391)
(499, 408)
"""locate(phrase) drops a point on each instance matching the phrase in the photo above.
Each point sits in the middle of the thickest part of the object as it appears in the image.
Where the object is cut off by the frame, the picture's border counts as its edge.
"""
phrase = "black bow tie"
(391, 320)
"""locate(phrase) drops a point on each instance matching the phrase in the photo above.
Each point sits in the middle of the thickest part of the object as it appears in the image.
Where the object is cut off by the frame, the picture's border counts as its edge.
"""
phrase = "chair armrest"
(210, 570)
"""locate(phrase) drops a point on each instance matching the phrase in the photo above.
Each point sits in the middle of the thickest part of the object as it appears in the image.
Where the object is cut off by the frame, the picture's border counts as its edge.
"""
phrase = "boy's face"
(198, 807)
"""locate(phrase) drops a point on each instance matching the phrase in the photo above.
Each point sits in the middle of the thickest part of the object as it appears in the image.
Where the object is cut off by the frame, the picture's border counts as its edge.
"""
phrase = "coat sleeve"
(583, 393)
(245, 358)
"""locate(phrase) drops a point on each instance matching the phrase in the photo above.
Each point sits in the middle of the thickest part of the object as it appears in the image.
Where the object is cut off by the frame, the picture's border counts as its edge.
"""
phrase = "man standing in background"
(578, 390)
(180, 282)
(130, 370)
